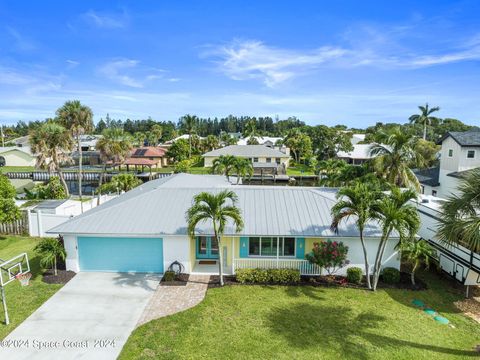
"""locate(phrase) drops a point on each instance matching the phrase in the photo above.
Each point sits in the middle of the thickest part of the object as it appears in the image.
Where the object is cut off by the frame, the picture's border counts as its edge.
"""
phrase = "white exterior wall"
(448, 184)
(39, 223)
(391, 257)
(177, 248)
(72, 253)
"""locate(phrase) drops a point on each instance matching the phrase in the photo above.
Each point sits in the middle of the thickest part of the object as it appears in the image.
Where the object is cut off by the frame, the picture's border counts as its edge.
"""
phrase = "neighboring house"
(459, 154)
(145, 230)
(356, 138)
(16, 156)
(149, 156)
(268, 141)
(90, 155)
(21, 141)
(257, 154)
(359, 154)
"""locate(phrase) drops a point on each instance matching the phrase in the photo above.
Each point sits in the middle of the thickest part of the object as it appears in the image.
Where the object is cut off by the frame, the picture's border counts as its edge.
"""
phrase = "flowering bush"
(329, 255)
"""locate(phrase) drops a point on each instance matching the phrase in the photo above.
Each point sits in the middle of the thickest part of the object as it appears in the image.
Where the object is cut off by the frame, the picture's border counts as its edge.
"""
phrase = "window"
(470, 154)
(434, 192)
(277, 160)
(267, 246)
(2, 161)
(450, 152)
(255, 159)
(422, 188)
(269, 160)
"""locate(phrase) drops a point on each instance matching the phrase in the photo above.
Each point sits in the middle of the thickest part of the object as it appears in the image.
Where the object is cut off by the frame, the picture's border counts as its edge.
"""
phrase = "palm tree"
(224, 165)
(78, 118)
(460, 222)
(243, 169)
(395, 156)
(210, 143)
(189, 125)
(114, 146)
(250, 130)
(330, 171)
(395, 213)
(218, 208)
(121, 182)
(357, 201)
(424, 118)
(416, 252)
(155, 134)
(50, 250)
(52, 144)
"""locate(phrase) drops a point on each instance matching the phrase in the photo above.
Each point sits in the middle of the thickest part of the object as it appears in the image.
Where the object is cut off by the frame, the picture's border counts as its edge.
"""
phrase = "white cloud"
(72, 63)
(130, 72)
(253, 59)
(107, 21)
(22, 43)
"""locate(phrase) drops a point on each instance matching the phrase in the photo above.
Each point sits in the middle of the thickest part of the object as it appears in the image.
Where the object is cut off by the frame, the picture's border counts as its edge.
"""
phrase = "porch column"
(233, 255)
(278, 241)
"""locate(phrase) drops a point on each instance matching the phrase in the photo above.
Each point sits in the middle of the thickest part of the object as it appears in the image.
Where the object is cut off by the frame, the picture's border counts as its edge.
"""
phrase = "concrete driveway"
(89, 318)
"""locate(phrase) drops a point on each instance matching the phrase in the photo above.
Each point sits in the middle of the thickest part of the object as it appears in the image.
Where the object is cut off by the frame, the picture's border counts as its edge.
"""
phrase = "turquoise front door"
(207, 247)
(120, 254)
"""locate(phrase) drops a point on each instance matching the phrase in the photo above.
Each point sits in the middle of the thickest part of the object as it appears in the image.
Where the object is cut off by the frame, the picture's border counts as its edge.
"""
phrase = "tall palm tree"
(224, 164)
(155, 134)
(219, 209)
(416, 252)
(330, 171)
(114, 146)
(189, 125)
(78, 119)
(394, 158)
(243, 168)
(424, 118)
(395, 214)
(460, 222)
(52, 144)
(357, 201)
(210, 143)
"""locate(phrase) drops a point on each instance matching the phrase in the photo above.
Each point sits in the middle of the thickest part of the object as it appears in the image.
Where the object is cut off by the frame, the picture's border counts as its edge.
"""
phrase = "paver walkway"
(168, 300)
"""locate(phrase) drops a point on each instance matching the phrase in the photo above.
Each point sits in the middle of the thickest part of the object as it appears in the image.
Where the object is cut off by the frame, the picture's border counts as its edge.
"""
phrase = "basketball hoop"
(24, 278)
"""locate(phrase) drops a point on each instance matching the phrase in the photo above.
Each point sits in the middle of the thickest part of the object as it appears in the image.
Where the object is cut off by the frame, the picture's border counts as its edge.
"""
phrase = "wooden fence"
(19, 227)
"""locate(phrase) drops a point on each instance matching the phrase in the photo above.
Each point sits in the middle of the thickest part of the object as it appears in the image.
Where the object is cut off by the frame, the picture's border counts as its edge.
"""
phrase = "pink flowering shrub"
(329, 255)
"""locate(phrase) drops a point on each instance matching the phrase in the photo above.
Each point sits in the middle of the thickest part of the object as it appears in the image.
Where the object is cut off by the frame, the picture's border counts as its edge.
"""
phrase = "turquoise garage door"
(120, 254)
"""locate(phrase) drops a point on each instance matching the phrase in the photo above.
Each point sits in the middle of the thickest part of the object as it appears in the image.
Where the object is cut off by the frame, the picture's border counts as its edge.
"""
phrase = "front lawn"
(23, 301)
(278, 322)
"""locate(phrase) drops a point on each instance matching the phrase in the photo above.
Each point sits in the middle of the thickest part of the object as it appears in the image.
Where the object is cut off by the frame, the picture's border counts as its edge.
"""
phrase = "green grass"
(299, 169)
(6, 169)
(277, 322)
(23, 301)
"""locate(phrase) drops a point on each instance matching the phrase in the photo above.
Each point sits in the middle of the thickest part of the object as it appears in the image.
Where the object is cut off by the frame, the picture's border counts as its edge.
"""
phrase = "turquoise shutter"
(300, 247)
(244, 247)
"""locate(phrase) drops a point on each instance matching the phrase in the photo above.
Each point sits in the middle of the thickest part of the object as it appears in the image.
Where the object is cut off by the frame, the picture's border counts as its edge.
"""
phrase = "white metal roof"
(360, 151)
(261, 140)
(247, 151)
(158, 208)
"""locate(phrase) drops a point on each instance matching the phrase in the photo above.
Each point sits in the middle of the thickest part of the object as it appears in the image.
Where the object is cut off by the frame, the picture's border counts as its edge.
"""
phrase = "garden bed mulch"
(330, 281)
(180, 280)
(63, 276)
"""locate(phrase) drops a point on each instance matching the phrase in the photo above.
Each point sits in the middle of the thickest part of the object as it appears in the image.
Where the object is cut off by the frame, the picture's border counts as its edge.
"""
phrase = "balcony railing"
(305, 267)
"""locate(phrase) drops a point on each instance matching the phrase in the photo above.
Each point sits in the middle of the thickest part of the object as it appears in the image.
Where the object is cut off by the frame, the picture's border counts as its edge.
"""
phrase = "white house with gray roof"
(258, 154)
(460, 153)
(145, 230)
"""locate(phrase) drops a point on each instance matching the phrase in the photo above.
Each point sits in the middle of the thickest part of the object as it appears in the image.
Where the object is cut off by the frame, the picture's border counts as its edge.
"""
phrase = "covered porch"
(250, 253)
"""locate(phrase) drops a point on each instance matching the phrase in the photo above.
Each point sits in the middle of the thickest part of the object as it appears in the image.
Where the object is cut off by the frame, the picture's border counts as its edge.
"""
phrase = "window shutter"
(244, 247)
(300, 248)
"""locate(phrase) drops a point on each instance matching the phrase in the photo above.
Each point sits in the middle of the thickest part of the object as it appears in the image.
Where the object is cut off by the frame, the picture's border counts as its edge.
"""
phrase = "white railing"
(305, 267)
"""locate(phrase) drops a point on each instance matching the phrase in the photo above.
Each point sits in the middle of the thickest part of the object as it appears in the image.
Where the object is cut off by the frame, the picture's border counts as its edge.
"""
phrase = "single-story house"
(16, 156)
(359, 154)
(149, 156)
(145, 230)
(255, 153)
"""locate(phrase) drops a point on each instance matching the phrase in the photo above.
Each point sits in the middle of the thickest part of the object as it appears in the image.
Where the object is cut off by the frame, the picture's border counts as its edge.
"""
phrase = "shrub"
(169, 276)
(329, 255)
(391, 275)
(354, 275)
(263, 276)
(51, 250)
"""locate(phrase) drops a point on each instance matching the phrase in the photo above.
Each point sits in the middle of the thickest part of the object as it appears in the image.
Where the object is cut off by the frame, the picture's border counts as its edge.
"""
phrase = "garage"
(120, 254)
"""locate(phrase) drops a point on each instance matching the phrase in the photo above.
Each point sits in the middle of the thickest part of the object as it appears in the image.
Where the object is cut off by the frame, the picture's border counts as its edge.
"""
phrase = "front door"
(207, 247)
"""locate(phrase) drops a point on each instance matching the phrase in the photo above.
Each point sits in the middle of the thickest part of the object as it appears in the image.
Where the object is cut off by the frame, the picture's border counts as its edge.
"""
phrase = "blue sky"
(326, 62)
